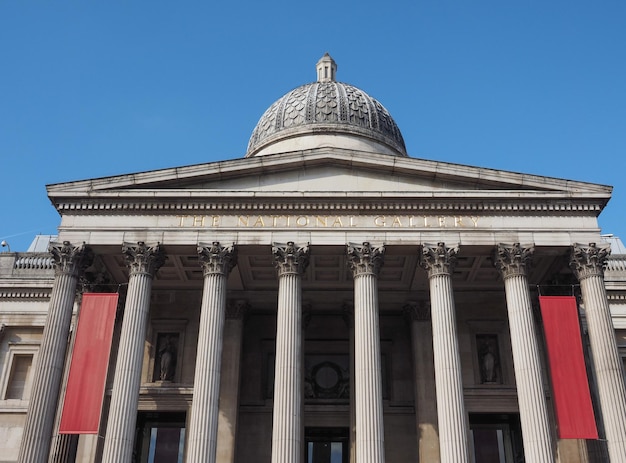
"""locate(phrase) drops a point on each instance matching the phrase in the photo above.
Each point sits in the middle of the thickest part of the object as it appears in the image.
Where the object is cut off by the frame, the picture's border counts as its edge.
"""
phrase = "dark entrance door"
(327, 445)
(160, 438)
(496, 438)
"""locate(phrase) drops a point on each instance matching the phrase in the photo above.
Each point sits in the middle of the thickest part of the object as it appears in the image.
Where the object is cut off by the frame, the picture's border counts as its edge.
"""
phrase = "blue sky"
(93, 89)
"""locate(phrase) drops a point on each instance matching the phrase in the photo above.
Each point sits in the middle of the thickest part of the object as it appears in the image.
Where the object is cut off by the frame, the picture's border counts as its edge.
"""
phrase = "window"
(16, 380)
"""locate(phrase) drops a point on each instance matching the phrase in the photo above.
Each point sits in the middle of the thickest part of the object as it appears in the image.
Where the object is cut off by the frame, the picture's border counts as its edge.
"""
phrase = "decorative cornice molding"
(324, 203)
(68, 259)
(589, 260)
(141, 258)
(290, 258)
(512, 260)
(217, 259)
(438, 259)
(26, 294)
(365, 259)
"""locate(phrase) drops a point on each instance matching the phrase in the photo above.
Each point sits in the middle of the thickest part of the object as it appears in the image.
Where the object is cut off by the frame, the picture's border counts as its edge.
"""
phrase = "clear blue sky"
(91, 89)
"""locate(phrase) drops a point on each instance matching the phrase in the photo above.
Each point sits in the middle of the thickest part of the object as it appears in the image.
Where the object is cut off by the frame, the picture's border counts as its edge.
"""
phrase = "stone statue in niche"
(165, 361)
(489, 359)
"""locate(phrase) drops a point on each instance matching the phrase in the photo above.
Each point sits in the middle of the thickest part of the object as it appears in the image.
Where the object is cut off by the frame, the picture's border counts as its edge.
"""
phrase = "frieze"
(326, 221)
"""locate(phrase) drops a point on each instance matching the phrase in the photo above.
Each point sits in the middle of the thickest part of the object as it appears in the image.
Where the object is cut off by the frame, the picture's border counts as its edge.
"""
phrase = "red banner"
(90, 360)
(574, 412)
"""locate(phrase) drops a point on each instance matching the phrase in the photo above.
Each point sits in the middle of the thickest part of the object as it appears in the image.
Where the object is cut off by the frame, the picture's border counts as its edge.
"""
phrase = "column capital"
(589, 260)
(141, 258)
(513, 259)
(69, 259)
(365, 259)
(416, 311)
(290, 258)
(347, 313)
(237, 309)
(438, 259)
(216, 258)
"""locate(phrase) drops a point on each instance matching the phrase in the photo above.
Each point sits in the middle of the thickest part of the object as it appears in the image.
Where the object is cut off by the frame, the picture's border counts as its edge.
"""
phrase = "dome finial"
(326, 69)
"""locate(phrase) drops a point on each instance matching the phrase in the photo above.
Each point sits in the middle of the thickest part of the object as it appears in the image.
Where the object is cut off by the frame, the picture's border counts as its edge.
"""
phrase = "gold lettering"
(259, 222)
(426, 222)
(302, 221)
(243, 221)
(458, 222)
(288, 220)
(274, 219)
(321, 221)
(216, 221)
(411, 224)
(396, 222)
(475, 220)
(352, 222)
(337, 222)
(442, 221)
(379, 221)
(182, 220)
(198, 221)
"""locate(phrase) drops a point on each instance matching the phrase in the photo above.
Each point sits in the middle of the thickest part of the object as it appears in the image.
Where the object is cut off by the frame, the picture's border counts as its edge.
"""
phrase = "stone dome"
(326, 113)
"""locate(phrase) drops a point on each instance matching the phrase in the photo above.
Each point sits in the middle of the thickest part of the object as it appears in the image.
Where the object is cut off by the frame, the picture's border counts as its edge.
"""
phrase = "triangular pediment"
(328, 170)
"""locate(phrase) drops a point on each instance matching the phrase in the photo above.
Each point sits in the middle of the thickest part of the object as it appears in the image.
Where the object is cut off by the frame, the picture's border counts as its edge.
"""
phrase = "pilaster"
(418, 316)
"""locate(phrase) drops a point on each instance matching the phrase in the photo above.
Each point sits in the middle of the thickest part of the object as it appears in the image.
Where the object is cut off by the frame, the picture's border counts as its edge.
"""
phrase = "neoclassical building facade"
(324, 299)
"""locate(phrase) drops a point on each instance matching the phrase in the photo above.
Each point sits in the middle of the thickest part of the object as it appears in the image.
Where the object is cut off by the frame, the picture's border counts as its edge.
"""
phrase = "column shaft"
(287, 445)
(452, 419)
(588, 263)
(365, 262)
(512, 261)
(120, 432)
(370, 435)
(453, 433)
(528, 377)
(202, 440)
(42, 405)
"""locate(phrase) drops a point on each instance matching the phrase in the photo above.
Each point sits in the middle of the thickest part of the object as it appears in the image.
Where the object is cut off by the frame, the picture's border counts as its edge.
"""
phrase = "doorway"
(496, 438)
(326, 445)
(160, 437)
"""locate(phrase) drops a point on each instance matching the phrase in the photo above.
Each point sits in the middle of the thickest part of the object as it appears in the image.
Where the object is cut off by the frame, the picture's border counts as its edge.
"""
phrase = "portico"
(266, 299)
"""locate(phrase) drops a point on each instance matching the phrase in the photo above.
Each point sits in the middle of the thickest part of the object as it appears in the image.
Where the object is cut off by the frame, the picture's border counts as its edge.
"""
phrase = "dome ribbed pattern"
(326, 107)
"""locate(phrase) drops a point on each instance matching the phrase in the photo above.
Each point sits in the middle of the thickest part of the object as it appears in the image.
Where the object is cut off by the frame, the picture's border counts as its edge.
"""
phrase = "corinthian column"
(512, 261)
(287, 445)
(217, 262)
(143, 262)
(438, 261)
(365, 262)
(68, 262)
(588, 263)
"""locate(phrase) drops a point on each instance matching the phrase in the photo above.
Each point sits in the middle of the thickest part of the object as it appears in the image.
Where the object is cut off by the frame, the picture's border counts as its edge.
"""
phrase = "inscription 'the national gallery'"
(326, 221)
